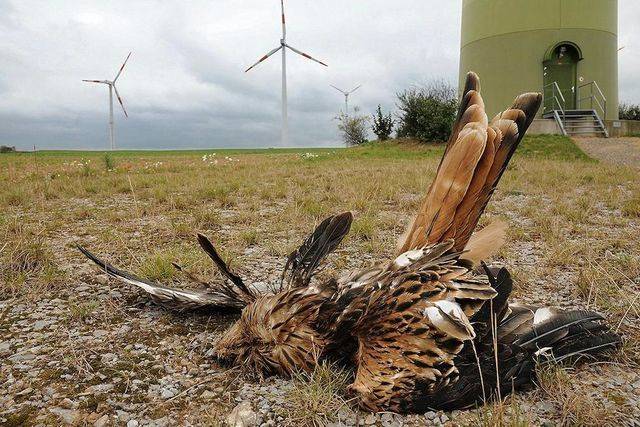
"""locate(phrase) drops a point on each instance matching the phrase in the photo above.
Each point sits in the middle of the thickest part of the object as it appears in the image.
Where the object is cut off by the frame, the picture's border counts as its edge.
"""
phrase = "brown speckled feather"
(410, 324)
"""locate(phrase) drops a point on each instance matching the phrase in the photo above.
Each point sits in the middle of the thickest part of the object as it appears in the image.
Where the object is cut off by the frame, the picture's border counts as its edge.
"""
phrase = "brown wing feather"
(481, 172)
(454, 175)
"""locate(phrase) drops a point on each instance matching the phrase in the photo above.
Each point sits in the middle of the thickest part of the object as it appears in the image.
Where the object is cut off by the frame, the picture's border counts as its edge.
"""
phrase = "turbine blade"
(355, 89)
(305, 55)
(338, 89)
(284, 25)
(120, 101)
(121, 68)
(93, 81)
(264, 57)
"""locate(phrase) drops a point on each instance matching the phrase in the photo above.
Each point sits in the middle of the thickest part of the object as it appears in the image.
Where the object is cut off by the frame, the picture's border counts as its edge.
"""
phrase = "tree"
(629, 112)
(353, 127)
(427, 113)
(382, 124)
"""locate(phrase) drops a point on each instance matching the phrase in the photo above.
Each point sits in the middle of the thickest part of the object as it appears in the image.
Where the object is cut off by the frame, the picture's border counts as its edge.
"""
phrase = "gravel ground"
(623, 151)
(130, 363)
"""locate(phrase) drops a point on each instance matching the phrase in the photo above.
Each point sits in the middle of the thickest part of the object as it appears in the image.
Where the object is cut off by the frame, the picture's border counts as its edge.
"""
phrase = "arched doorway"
(561, 66)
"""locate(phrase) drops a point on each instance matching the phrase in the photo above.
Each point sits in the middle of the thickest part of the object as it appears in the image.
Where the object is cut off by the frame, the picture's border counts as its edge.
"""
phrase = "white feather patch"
(408, 258)
(542, 315)
(449, 318)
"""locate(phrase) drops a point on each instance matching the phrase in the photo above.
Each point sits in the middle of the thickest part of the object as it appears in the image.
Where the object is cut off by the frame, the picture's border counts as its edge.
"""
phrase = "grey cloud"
(185, 85)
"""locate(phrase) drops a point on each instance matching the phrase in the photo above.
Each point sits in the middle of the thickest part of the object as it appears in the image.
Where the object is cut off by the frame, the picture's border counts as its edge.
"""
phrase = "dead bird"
(430, 329)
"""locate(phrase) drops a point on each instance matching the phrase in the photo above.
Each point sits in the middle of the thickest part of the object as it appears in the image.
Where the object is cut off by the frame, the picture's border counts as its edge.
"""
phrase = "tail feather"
(475, 158)
(548, 332)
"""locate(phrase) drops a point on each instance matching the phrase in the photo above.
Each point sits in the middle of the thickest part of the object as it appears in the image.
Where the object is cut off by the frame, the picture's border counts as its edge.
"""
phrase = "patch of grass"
(82, 311)
(25, 257)
(552, 147)
(109, 162)
(158, 267)
(576, 406)
(631, 207)
(502, 414)
(364, 228)
(317, 396)
(250, 237)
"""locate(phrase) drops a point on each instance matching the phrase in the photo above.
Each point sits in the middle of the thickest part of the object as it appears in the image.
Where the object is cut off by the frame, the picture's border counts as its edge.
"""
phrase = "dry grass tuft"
(505, 413)
(316, 397)
(25, 257)
(575, 405)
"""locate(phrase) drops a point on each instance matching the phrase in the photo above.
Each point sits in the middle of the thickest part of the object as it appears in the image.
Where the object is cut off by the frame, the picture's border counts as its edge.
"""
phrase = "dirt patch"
(622, 151)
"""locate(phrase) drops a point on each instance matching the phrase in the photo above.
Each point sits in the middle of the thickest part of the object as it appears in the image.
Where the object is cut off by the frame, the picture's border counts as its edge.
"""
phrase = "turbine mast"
(284, 46)
(111, 134)
(285, 118)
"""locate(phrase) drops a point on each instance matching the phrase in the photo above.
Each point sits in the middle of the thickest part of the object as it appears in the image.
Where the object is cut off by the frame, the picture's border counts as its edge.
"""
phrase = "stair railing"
(595, 98)
(557, 99)
(558, 103)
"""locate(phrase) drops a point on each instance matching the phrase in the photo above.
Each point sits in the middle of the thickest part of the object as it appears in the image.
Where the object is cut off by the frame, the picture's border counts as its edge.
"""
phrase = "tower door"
(561, 68)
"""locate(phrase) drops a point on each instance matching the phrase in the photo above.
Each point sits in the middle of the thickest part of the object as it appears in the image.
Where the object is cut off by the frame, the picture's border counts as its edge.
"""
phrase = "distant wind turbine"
(284, 46)
(346, 96)
(112, 88)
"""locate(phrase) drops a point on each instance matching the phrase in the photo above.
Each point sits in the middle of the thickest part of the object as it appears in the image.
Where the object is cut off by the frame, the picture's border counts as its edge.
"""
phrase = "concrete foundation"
(616, 128)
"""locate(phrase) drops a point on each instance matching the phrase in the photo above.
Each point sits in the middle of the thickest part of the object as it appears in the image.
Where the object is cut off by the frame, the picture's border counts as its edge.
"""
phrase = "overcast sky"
(184, 86)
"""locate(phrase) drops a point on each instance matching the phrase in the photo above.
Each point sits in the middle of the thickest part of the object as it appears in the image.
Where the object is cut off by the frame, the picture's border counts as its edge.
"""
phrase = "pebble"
(242, 416)
(102, 421)
(66, 415)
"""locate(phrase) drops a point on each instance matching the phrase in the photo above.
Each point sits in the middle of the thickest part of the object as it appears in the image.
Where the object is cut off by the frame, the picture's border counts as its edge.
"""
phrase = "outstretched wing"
(304, 261)
(475, 158)
(175, 299)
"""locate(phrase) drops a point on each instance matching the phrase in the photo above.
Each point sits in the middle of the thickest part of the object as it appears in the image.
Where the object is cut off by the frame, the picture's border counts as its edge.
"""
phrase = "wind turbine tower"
(283, 47)
(113, 88)
(346, 96)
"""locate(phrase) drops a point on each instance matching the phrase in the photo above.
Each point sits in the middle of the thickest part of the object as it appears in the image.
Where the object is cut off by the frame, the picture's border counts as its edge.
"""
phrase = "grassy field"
(573, 239)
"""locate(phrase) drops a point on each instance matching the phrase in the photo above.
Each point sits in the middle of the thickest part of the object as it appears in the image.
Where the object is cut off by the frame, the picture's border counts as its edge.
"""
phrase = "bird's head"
(274, 335)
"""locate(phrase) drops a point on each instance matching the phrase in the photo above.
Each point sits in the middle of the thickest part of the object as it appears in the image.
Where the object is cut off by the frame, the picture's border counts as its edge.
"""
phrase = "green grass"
(553, 147)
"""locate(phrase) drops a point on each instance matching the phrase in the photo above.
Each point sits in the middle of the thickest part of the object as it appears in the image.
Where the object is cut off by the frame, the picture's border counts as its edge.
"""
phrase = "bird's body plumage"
(428, 329)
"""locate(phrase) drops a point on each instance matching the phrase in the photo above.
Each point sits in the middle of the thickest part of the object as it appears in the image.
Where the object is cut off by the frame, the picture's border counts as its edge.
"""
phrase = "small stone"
(207, 394)
(242, 416)
(66, 415)
(386, 417)
(108, 357)
(431, 415)
(370, 419)
(167, 394)
(40, 325)
(68, 403)
(24, 392)
(133, 423)
(102, 421)
(444, 418)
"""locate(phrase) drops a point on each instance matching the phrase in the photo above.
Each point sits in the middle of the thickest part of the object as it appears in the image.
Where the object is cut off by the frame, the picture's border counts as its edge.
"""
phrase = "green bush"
(427, 113)
(382, 124)
(629, 112)
(353, 127)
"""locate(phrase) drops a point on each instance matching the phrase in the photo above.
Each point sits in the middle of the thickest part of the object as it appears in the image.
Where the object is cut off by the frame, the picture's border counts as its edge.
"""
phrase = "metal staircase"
(583, 121)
